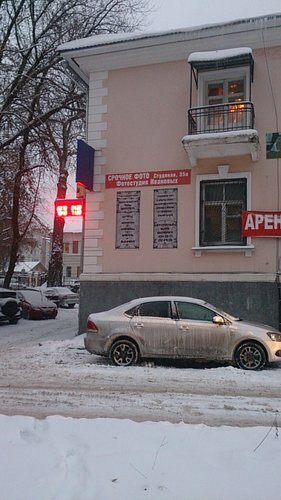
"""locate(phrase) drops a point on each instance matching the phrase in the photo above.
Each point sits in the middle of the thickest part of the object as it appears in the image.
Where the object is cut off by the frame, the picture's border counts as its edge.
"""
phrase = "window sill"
(247, 249)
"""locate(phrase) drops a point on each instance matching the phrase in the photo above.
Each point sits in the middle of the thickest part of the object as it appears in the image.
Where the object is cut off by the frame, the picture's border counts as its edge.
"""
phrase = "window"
(75, 245)
(221, 206)
(155, 309)
(66, 248)
(226, 91)
(68, 272)
(188, 310)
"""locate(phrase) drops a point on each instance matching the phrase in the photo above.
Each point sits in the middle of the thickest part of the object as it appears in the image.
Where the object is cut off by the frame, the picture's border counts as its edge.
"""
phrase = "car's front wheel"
(250, 356)
(124, 353)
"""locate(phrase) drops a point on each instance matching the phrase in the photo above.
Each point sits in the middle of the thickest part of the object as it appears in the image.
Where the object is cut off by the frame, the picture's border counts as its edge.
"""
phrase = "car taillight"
(91, 326)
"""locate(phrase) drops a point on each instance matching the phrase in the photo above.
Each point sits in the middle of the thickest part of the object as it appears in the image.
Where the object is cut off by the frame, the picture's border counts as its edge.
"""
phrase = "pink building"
(185, 126)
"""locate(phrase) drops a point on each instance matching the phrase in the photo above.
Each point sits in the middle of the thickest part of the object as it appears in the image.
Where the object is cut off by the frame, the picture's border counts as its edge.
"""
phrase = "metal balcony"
(221, 131)
(234, 116)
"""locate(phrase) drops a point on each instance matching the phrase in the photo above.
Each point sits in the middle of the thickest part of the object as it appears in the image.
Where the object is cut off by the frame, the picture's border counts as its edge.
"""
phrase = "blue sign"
(85, 164)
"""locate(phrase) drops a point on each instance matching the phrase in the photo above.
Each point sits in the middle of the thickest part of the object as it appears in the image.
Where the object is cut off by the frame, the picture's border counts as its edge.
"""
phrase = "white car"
(180, 327)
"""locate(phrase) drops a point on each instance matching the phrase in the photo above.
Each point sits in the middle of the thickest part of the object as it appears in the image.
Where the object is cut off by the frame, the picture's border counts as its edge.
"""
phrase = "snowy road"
(28, 332)
(41, 377)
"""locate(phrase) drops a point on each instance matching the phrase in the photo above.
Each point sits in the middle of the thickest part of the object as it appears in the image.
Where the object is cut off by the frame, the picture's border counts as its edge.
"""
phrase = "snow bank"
(109, 459)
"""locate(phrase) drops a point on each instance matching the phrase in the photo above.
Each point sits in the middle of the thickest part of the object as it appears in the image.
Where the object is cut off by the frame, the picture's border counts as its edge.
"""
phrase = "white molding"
(180, 277)
(98, 92)
(247, 249)
(98, 75)
(97, 109)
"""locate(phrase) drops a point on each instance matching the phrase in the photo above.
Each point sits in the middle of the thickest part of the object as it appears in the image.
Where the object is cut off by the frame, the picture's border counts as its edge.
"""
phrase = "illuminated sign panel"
(69, 208)
(256, 223)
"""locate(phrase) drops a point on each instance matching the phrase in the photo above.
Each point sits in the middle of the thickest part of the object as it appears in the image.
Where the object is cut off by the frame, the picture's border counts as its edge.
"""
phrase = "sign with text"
(165, 226)
(261, 223)
(127, 219)
(142, 179)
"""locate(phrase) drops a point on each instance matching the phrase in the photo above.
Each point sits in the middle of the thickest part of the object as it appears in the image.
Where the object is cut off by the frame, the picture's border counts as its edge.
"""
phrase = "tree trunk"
(55, 273)
(15, 222)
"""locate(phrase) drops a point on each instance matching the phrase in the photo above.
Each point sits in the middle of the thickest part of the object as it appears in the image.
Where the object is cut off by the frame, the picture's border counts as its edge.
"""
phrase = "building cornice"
(106, 52)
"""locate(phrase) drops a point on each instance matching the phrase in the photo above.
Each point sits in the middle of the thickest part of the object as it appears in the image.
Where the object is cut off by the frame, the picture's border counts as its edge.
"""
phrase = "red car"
(35, 305)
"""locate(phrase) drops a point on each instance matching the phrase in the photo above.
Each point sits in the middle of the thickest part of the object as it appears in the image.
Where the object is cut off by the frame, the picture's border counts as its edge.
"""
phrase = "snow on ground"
(109, 459)
(160, 435)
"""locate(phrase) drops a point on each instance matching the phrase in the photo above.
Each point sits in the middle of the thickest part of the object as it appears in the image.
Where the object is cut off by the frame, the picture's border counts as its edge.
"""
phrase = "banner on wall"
(165, 223)
(142, 179)
(127, 219)
(257, 223)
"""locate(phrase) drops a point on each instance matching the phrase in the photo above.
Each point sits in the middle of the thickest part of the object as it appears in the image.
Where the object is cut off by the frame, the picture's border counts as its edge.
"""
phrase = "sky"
(169, 14)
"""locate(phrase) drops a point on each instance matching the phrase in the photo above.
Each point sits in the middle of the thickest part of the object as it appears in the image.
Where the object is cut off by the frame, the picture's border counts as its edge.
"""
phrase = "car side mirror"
(218, 320)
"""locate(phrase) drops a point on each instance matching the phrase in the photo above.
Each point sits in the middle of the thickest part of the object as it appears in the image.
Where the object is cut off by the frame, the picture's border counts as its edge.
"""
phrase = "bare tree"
(35, 92)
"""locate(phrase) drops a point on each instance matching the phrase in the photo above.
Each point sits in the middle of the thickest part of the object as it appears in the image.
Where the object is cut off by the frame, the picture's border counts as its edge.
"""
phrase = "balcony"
(221, 130)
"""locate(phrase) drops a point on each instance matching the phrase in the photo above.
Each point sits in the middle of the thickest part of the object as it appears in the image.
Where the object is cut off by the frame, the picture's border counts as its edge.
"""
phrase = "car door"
(198, 336)
(156, 329)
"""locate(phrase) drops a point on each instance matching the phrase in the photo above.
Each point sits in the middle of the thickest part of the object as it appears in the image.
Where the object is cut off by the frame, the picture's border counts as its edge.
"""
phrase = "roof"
(114, 38)
(102, 53)
(27, 266)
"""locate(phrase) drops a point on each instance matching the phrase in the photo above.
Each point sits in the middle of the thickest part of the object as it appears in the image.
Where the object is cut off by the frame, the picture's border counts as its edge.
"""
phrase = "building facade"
(71, 255)
(186, 195)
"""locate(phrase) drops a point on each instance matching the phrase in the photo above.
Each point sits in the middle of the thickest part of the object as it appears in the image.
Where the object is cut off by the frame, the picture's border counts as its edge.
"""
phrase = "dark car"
(35, 305)
(62, 296)
(10, 309)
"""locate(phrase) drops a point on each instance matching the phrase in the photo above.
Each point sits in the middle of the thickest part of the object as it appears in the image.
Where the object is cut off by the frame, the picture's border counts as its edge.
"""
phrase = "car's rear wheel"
(10, 308)
(250, 356)
(124, 353)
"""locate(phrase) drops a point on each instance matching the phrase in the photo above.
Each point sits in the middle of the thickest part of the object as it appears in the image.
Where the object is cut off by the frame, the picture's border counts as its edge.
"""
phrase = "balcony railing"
(221, 118)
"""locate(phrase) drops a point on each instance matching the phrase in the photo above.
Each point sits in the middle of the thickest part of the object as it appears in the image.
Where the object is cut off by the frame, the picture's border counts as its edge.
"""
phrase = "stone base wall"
(253, 301)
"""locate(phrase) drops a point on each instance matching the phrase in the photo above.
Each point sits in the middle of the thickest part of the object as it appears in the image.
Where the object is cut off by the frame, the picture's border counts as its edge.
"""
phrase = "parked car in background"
(61, 295)
(73, 285)
(10, 309)
(36, 306)
(182, 328)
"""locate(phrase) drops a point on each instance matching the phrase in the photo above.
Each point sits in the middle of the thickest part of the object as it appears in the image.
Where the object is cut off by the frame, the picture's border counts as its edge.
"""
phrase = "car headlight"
(276, 337)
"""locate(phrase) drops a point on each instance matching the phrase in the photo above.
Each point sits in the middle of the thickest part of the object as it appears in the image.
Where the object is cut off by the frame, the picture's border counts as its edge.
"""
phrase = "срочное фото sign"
(145, 179)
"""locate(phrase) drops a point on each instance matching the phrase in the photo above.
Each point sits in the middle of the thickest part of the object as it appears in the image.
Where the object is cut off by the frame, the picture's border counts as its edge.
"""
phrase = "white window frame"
(248, 248)
(222, 74)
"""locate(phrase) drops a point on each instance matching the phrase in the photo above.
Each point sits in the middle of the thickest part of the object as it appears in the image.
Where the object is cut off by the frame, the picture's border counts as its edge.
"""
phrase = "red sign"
(261, 223)
(69, 208)
(143, 179)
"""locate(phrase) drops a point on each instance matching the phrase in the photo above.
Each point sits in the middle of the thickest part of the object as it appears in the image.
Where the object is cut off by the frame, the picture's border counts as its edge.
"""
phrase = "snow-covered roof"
(109, 39)
(216, 55)
(26, 266)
